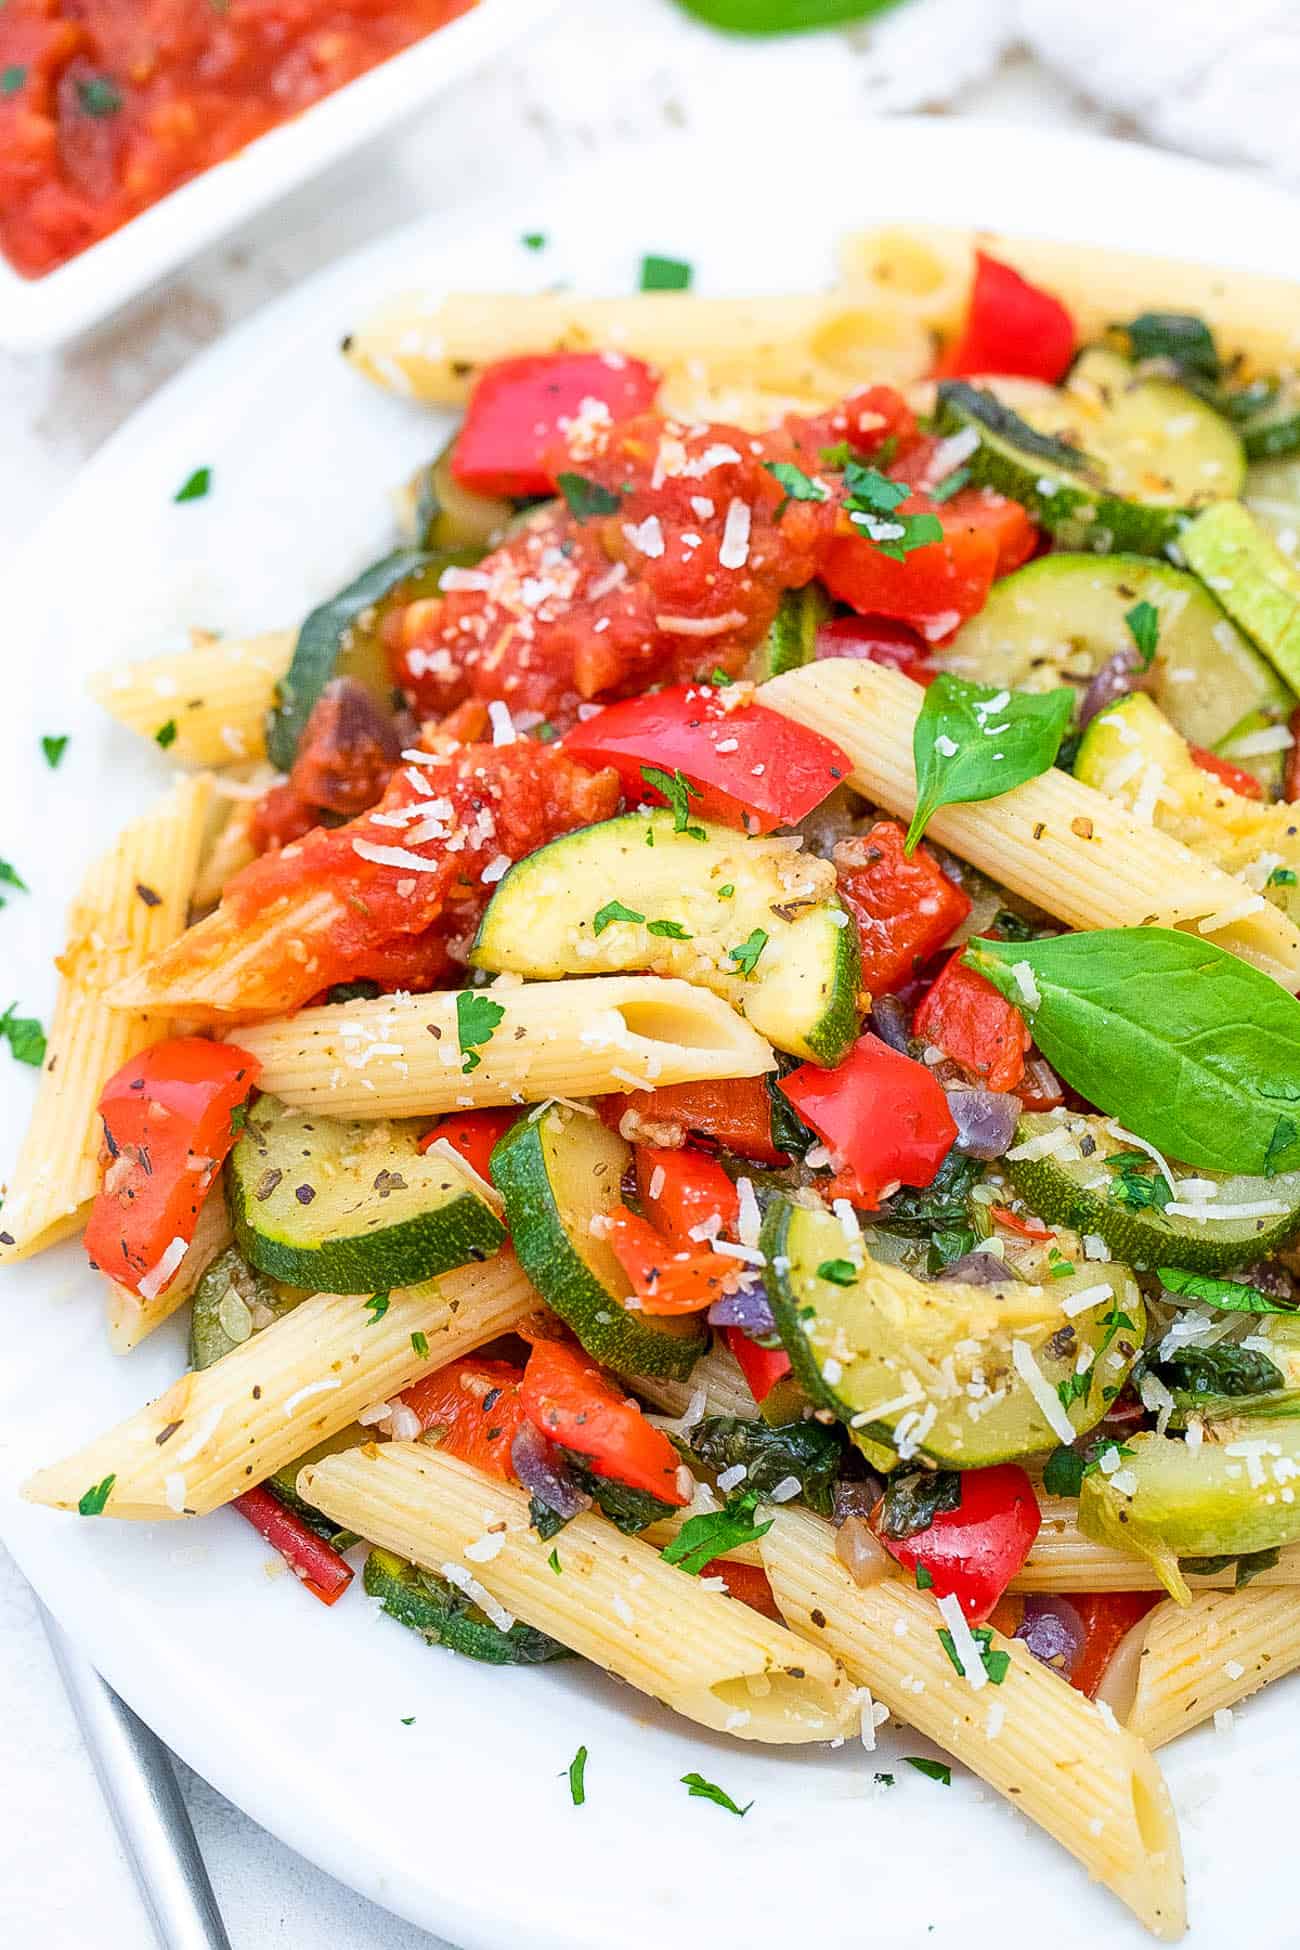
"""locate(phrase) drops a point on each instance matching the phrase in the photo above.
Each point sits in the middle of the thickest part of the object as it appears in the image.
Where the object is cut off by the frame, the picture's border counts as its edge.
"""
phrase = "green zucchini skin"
(791, 640)
(1257, 584)
(442, 1615)
(554, 1170)
(379, 1215)
(220, 1312)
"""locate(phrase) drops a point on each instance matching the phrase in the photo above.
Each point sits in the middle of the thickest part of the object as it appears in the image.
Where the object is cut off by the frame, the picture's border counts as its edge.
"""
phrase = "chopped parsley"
(747, 954)
(665, 273)
(710, 1791)
(410, 1722)
(54, 749)
(1074, 1387)
(996, 1662)
(1281, 877)
(578, 1777)
(99, 97)
(883, 1780)
(924, 1581)
(798, 485)
(420, 1343)
(1063, 1472)
(678, 791)
(837, 456)
(872, 503)
(477, 1016)
(10, 877)
(703, 1538)
(166, 734)
(934, 1770)
(11, 80)
(670, 930)
(238, 1117)
(1144, 627)
(377, 1306)
(950, 484)
(91, 1502)
(25, 1037)
(725, 893)
(585, 498)
(546, 733)
(840, 1272)
(720, 679)
(534, 240)
(613, 911)
(554, 1561)
(196, 487)
(1137, 1185)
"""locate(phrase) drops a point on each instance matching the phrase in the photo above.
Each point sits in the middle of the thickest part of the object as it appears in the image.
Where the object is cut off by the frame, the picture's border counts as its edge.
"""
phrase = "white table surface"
(607, 73)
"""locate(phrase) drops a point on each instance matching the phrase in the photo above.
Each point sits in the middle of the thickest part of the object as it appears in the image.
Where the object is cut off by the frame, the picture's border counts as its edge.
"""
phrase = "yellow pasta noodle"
(1089, 1783)
(715, 1382)
(131, 1319)
(1198, 1660)
(1063, 1559)
(216, 694)
(401, 1057)
(616, 1601)
(1053, 839)
(219, 1430)
(133, 901)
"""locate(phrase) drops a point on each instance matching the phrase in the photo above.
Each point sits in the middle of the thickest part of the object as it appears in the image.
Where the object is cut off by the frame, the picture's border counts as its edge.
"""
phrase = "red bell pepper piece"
(667, 1278)
(1016, 1222)
(884, 1117)
(905, 908)
(935, 587)
(168, 1124)
(877, 640)
(475, 1404)
(1108, 1617)
(973, 1552)
(684, 1189)
(325, 1573)
(762, 1367)
(518, 408)
(751, 767)
(963, 1015)
(981, 511)
(1011, 326)
(747, 1583)
(574, 1403)
(1227, 773)
(736, 1112)
(474, 1134)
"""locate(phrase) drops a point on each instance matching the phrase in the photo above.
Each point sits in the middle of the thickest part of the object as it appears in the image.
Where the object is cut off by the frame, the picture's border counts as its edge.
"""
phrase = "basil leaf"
(703, 1538)
(1192, 1049)
(911, 1503)
(1233, 1296)
(973, 741)
(1223, 1371)
(585, 498)
(808, 1451)
(1144, 627)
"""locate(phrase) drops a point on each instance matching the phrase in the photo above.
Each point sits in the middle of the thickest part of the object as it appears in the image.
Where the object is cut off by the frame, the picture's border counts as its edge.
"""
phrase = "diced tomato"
(667, 1278)
(1011, 326)
(877, 640)
(322, 1569)
(864, 423)
(736, 1112)
(169, 1121)
(762, 1367)
(905, 907)
(1108, 1617)
(1233, 776)
(574, 1403)
(982, 512)
(279, 818)
(884, 1116)
(963, 1015)
(935, 587)
(973, 1552)
(474, 1133)
(747, 1582)
(684, 1189)
(475, 1403)
(517, 406)
(1016, 1222)
(348, 750)
(751, 767)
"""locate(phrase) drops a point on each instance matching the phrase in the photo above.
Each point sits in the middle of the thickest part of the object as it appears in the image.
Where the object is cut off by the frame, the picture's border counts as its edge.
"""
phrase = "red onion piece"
(546, 1475)
(1054, 1633)
(747, 1308)
(1118, 676)
(889, 1020)
(985, 1120)
(976, 1269)
(856, 1498)
(861, 1552)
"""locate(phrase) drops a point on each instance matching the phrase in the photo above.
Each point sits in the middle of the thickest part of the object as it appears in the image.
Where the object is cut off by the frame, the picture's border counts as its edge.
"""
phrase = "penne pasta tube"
(402, 1057)
(133, 901)
(131, 1319)
(927, 270)
(819, 347)
(220, 1430)
(1061, 1761)
(616, 1602)
(1058, 842)
(1199, 1660)
(229, 970)
(1063, 1559)
(216, 694)
(715, 1386)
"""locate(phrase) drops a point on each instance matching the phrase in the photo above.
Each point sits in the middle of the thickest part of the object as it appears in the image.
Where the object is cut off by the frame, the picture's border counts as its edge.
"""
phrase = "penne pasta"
(1088, 1782)
(401, 1056)
(131, 1319)
(220, 1430)
(1063, 1559)
(616, 1602)
(816, 348)
(715, 1386)
(133, 901)
(228, 970)
(216, 694)
(1199, 1660)
(1053, 840)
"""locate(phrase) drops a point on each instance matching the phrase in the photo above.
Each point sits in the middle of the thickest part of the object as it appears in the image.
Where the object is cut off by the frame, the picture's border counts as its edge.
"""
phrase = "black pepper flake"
(267, 1183)
(165, 1435)
(385, 1182)
(257, 1391)
(6, 1239)
(434, 1031)
(490, 1400)
(147, 895)
(138, 1084)
(818, 1619)
(304, 1194)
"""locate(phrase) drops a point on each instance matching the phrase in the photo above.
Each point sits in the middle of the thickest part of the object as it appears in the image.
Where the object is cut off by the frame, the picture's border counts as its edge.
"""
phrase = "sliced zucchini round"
(791, 640)
(933, 1366)
(1272, 493)
(442, 1615)
(1059, 619)
(1099, 1183)
(1256, 581)
(351, 1207)
(551, 916)
(557, 1171)
(230, 1302)
(441, 514)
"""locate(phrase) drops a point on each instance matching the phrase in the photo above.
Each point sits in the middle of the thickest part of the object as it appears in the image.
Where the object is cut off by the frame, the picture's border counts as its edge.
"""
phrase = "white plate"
(462, 1821)
(45, 311)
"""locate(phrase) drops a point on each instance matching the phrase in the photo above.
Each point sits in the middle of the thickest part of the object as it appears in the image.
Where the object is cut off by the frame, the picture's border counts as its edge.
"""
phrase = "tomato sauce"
(107, 105)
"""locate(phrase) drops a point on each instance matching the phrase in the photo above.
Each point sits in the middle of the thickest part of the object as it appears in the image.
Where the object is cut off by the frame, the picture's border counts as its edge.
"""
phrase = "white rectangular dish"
(41, 312)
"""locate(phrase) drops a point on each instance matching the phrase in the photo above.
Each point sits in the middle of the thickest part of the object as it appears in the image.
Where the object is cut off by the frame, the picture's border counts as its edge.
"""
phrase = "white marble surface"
(602, 76)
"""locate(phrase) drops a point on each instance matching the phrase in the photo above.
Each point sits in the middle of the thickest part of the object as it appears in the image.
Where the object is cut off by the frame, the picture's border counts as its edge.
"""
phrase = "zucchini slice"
(1059, 619)
(557, 1171)
(550, 917)
(442, 1615)
(932, 1366)
(1168, 1501)
(791, 640)
(351, 1207)
(1257, 584)
(1109, 461)
(438, 513)
(231, 1302)
(1074, 1183)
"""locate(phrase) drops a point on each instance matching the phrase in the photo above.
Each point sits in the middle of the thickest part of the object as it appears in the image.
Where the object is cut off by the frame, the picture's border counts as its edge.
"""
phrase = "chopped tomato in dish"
(735, 1112)
(684, 1190)
(474, 1407)
(579, 1406)
(905, 906)
(1107, 1617)
(934, 588)
(973, 1552)
(963, 1015)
